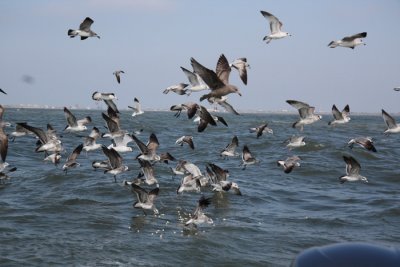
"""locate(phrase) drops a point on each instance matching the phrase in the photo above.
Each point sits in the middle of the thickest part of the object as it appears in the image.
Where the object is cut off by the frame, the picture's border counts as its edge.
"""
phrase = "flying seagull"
(117, 74)
(179, 89)
(217, 81)
(90, 141)
(188, 139)
(115, 160)
(365, 142)
(198, 216)
(261, 129)
(103, 96)
(137, 109)
(306, 113)
(75, 125)
(230, 149)
(241, 65)
(275, 26)
(352, 171)
(145, 200)
(71, 160)
(84, 30)
(340, 117)
(289, 164)
(149, 151)
(219, 182)
(393, 127)
(196, 82)
(3, 141)
(295, 141)
(349, 41)
(247, 157)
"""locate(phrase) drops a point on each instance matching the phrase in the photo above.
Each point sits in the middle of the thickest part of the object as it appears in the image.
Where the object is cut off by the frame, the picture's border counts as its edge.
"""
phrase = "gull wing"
(389, 120)
(208, 76)
(355, 36)
(352, 165)
(336, 113)
(192, 77)
(71, 120)
(223, 69)
(75, 153)
(113, 156)
(85, 25)
(275, 24)
(297, 104)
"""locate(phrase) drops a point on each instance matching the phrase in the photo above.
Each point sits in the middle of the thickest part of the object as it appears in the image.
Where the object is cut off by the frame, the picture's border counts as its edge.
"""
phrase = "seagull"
(295, 141)
(101, 164)
(217, 81)
(223, 103)
(148, 172)
(241, 65)
(349, 41)
(219, 181)
(188, 139)
(397, 88)
(275, 26)
(19, 131)
(393, 127)
(103, 96)
(73, 124)
(230, 149)
(113, 124)
(352, 171)
(84, 30)
(261, 129)
(340, 117)
(3, 141)
(137, 109)
(53, 158)
(196, 82)
(306, 113)
(247, 157)
(117, 74)
(198, 216)
(90, 141)
(145, 200)
(120, 143)
(48, 141)
(289, 163)
(365, 142)
(71, 160)
(189, 183)
(179, 89)
(148, 152)
(115, 160)
(205, 118)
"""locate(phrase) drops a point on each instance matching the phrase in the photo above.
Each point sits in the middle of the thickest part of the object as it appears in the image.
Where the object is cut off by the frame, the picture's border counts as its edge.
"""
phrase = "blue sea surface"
(84, 218)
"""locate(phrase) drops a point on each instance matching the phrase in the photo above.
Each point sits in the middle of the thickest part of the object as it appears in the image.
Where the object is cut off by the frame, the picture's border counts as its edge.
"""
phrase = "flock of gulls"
(145, 185)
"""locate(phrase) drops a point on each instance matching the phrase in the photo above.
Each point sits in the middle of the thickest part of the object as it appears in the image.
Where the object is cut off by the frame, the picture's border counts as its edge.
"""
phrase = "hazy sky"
(151, 39)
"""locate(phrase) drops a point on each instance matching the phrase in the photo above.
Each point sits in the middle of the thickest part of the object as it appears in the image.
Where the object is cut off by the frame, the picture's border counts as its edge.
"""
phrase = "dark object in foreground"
(348, 254)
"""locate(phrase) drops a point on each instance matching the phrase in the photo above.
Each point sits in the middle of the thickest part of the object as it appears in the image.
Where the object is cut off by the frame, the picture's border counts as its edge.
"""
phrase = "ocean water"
(84, 218)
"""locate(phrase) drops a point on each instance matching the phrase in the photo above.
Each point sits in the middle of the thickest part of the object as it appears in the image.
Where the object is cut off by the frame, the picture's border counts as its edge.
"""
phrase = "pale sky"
(151, 39)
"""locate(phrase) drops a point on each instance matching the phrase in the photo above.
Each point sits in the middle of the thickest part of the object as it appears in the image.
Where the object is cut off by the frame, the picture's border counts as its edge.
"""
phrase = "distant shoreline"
(283, 112)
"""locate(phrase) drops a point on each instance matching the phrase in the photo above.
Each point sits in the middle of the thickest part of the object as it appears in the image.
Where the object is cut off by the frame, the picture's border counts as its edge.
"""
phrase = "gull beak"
(239, 93)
